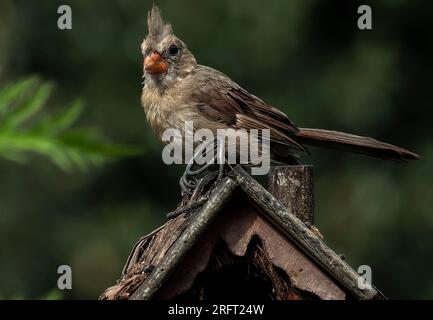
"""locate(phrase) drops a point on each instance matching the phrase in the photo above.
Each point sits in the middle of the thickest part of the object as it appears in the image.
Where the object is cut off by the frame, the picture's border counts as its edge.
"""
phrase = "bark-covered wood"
(237, 226)
(293, 187)
(287, 243)
(296, 230)
(186, 240)
(150, 257)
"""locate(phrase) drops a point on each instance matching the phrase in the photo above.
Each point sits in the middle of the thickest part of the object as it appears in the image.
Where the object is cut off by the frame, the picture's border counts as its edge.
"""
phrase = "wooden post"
(293, 187)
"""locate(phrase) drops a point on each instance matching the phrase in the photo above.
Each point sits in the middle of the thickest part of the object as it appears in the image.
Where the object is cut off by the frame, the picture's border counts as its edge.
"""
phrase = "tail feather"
(353, 143)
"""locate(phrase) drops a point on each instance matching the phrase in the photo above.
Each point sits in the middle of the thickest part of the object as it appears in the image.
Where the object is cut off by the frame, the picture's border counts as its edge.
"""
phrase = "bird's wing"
(222, 100)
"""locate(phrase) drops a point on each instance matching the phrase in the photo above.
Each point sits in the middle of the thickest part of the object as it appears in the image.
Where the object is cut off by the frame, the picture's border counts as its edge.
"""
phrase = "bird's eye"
(173, 49)
(146, 51)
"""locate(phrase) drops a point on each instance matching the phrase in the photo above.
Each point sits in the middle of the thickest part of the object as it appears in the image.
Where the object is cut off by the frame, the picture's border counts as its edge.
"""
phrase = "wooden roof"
(156, 257)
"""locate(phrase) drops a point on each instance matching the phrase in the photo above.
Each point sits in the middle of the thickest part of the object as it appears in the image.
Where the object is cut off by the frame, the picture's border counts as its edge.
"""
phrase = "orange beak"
(154, 64)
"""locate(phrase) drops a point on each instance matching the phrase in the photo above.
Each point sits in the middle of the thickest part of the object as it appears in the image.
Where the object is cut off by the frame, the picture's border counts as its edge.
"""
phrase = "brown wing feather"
(222, 100)
(246, 122)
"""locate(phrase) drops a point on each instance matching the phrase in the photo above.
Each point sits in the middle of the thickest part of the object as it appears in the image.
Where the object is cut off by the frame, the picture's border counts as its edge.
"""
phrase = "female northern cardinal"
(177, 89)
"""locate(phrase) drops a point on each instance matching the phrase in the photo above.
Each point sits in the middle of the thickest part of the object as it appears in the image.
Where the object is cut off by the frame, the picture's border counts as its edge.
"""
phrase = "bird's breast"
(163, 111)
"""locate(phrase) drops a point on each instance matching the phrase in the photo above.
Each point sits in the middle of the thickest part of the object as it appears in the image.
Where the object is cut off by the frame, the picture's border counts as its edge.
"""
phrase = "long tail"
(352, 143)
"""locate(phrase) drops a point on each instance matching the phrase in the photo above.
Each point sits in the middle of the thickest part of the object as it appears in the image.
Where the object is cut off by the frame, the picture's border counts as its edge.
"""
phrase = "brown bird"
(177, 89)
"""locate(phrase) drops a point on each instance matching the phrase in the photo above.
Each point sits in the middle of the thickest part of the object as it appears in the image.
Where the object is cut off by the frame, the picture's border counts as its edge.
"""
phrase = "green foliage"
(24, 130)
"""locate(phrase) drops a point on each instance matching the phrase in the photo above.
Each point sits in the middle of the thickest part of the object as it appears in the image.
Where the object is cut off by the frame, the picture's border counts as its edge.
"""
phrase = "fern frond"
(50, 135)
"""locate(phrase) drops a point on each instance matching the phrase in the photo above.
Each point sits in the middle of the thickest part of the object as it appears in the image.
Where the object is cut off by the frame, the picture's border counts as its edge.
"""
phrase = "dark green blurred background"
(305, 56)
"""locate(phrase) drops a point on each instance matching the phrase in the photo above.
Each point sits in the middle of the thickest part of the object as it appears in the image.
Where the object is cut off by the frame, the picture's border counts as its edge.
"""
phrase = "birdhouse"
(242, 241)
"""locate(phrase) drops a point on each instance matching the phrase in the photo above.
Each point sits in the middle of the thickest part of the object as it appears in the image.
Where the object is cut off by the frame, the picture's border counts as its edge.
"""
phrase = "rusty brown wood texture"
(155, 256)
(293, 187)
(165, 263)
(304, 237)
(236, 226)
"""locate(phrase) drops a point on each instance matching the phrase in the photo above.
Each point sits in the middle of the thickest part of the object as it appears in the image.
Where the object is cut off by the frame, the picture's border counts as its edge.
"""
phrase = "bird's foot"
(198, 179)
(194, 192)
(189, 207)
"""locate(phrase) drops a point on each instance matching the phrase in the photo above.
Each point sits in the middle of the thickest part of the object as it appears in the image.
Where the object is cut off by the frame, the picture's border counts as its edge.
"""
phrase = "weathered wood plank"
(186, 240)
(300, 234)
(293, 187)
(237, 224)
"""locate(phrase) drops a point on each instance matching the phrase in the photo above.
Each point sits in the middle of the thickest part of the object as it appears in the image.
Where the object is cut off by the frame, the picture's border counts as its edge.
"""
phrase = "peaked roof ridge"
(288, 224)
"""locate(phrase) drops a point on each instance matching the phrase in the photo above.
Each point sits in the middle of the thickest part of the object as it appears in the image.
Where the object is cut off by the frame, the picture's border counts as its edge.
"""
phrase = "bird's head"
(166, 57)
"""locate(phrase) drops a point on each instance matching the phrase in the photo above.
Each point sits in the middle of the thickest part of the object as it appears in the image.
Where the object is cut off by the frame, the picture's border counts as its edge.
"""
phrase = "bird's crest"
(157, 28)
